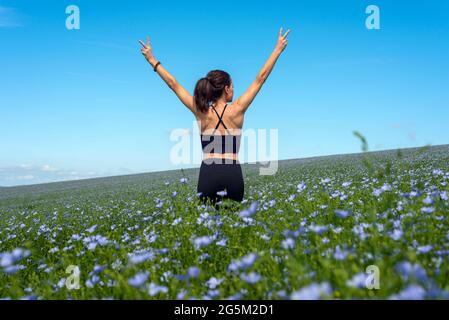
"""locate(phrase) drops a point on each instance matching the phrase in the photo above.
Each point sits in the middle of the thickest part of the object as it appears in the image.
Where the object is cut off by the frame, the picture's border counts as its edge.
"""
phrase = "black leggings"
(218, 175)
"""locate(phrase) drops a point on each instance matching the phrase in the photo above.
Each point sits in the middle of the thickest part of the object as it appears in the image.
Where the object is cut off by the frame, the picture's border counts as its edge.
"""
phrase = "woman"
(220, 174)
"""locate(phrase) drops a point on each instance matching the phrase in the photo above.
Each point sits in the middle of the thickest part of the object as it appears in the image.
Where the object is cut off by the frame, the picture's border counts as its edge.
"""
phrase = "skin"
(235, 111)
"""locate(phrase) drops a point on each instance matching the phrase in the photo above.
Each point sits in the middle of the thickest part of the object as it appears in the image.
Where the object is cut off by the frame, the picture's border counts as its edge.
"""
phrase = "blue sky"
(84, 103)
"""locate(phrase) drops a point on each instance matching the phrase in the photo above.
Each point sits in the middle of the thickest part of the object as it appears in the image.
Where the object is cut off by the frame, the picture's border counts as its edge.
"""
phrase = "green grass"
(397, 218)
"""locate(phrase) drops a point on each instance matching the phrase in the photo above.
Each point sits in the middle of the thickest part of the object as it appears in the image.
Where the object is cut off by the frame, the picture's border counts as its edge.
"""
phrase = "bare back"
(232, 117)
(220, 129)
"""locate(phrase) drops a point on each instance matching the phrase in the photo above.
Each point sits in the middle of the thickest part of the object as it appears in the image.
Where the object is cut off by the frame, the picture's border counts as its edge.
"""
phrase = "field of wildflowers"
(372, 225)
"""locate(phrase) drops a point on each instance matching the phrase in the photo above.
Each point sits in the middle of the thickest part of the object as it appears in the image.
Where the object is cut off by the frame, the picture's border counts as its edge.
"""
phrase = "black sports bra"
(220, 143)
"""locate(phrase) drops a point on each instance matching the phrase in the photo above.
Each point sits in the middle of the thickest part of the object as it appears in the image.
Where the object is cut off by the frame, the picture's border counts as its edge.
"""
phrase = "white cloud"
(24, 174)
(27, 177)
(48, 168)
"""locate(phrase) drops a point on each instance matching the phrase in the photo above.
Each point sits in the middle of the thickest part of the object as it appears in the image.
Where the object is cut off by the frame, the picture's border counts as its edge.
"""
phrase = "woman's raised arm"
(244, 101)
(171, 81)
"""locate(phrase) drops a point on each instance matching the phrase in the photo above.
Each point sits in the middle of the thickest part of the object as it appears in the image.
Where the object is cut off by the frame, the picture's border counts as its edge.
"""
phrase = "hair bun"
(210, 82)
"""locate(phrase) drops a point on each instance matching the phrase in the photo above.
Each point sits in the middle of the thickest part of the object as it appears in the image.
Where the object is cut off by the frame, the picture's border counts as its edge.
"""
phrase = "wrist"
(152, 61)
(277, 51)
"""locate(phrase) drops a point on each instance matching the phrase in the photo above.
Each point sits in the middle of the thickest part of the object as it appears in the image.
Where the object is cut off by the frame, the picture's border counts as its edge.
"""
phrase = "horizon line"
(249, 163)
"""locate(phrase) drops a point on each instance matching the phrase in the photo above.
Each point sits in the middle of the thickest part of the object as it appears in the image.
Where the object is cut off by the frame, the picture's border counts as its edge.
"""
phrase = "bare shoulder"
(236, 108)
(237, 114)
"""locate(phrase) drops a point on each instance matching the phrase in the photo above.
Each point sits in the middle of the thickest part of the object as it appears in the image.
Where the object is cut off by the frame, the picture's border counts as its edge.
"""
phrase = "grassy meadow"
(361, 226)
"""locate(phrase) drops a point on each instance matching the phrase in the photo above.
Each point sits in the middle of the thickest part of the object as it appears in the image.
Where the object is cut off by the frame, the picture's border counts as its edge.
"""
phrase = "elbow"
(261, 78)
(172, 83)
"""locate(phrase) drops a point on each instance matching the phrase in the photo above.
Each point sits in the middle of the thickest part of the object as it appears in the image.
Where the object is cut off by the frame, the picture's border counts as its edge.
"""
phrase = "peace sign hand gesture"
(146, 50)
(282, 40)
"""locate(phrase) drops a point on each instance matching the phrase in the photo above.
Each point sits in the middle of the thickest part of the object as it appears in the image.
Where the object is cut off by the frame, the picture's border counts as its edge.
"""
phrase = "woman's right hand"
(147, 51)
(282, 41)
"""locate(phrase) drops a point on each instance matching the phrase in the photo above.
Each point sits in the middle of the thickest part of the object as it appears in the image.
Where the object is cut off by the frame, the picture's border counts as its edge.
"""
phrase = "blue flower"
(424, 249)
(237, 296)
(91, 282)
(193, 272)
(92, 229)
(337, 230)
(301, 187)
(312, 292)
(244, 263)
(396, 234)
(358, 280)
(251, 277)
(183, 180)
(154, 289)
(213, 282)
(159, 203)
(282, 294)
(436, 293)
(98, 268)
(342, 213)
(250, 211)
(141, 257)
(181, 294)
(203, 241)
(318, 229)
(222, 242)
(213, 293)
(203, 257)
(139, 279)
(377, 192)
(12, 269)
(408, 270)
(428, 200)
(8, 259)
(427, 209)
(340, 254)
(222, 193)
(360, 231)
(411, 292)
(29, 297)
(288, 243)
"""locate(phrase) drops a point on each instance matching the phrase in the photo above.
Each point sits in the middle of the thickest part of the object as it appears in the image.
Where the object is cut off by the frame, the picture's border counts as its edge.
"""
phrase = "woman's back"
(231, 117)
(220, 131)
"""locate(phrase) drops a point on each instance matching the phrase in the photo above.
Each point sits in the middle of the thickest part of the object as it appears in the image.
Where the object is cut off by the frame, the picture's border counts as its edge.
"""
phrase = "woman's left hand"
(147, 51)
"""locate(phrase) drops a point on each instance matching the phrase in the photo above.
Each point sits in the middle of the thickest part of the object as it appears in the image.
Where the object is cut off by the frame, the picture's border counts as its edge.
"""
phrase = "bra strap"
(220, 118)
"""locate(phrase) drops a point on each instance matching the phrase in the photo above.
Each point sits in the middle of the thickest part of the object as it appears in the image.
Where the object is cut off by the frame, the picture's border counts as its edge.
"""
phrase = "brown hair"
(210, 88)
